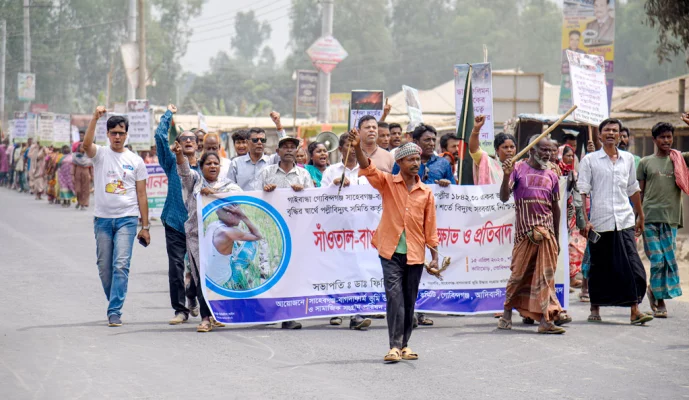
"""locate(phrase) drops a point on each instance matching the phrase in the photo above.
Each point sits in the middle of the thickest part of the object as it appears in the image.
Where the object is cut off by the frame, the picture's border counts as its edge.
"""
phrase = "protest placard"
(411, 98)
(275, 278)
(482, 98)
(156, 189)
(307, 91)
(45, 128)
(62, 131)
(138, 113)
(588, 27)
(365, 102)
(19, 130)
(589, 91)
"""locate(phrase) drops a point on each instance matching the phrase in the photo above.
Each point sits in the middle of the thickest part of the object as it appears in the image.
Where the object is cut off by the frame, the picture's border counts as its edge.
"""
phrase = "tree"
(249, 35)
(671, 18)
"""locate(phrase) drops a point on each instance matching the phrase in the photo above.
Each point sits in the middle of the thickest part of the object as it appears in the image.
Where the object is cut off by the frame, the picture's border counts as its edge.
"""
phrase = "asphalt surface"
(55, 343)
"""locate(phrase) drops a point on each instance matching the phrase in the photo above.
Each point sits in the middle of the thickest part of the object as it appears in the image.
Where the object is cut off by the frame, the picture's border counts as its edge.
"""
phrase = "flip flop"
(204, 326)
(651, 299)
(594, 318)
(551, 330)
(393, 356)
(504, 324)
(584, 298)
(563, 318)
(660, 314)
(426, 322)
(641, 319)
(407, 354)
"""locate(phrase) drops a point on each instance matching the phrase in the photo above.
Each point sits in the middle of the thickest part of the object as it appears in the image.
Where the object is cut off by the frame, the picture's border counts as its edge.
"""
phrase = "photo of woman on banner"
(233, 250)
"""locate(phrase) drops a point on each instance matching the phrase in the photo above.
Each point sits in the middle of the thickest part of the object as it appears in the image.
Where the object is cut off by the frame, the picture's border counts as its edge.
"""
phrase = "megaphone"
(329, 140)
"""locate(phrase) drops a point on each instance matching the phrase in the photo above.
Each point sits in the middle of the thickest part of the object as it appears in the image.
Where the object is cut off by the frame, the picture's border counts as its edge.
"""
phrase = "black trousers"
(401, 288)
(176, 244)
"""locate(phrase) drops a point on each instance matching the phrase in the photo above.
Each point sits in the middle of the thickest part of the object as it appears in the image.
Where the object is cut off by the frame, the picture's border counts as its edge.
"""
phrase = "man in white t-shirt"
(120, 193)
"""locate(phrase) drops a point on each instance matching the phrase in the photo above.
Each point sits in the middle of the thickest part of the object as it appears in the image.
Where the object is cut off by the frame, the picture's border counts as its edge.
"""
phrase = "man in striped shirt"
(531, 287)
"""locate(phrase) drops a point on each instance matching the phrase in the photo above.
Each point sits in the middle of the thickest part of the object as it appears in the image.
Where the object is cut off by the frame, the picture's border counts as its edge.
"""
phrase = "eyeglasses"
(115, 134)
(187, 139)
(256, 140)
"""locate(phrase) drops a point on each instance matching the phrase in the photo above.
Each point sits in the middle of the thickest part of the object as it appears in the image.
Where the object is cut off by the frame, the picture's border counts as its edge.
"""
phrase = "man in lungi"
(531, 287)
(406, 227)
(661, 199)
(608, 177)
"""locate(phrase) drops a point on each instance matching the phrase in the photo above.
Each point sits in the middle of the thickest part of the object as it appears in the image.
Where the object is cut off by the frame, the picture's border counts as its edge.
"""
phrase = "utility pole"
(142, 50)
(27, 45)
(131, 30)
(323, 78)
(3, 46)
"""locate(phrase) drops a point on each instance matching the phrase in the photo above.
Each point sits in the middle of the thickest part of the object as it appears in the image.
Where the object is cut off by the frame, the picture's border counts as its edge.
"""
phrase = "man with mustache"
(395, 136)
(531, 287)
(174, 215)
(246, 170)
(407, 226)
(368, 129)
(286, 174)
(616, 276)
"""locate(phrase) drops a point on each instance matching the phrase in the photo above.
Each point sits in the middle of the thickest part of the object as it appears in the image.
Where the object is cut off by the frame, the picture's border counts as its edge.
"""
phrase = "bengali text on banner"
(314, 258)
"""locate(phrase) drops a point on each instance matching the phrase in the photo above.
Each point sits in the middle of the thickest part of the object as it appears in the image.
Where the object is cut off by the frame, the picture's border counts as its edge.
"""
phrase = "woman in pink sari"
(577, 243)
(487, 169)
(64, 177)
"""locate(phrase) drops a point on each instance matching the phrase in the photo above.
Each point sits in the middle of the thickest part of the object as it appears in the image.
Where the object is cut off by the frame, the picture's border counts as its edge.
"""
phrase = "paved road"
(54, 342)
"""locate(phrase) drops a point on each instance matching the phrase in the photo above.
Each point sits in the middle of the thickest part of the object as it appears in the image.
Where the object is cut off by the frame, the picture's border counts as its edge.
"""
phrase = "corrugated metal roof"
(661, 97)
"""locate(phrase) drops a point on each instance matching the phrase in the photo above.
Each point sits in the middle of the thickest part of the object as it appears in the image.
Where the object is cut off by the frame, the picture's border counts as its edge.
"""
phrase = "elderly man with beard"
(407, 226)
(175, 214)
(531, 287)
(617, 276)
(286, 174)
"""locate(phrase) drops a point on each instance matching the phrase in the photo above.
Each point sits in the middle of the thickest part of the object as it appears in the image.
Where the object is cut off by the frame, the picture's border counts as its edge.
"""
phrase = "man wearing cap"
(406, 227)
(286, 174)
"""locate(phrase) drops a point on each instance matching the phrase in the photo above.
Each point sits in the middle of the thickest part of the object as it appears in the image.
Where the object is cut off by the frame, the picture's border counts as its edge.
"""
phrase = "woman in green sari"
(318, 155)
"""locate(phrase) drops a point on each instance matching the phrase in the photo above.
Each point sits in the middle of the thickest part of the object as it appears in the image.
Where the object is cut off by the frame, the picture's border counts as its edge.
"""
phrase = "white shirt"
(225, 166)
(335, 172)
(114, 182)
(246, 174)
(609, 186)
(274, 175)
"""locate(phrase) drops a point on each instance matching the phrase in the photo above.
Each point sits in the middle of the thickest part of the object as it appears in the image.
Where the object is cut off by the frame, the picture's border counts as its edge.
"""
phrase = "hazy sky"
(214, 28)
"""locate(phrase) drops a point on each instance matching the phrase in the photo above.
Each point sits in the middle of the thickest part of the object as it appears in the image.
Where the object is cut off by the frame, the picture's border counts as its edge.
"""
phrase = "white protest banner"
(365, 102)
(75, 134)
(202, 122)
(482, 96)
(62, 131)
(46, 128)
(19, 129)
(589, 91)
(139, 125)
(156, 189)
(411, 98)
(102, 130)
(31, 125)
(314, 258)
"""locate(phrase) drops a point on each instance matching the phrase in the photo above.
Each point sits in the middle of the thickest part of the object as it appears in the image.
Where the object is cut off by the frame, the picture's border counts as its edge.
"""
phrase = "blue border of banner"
(286, 245)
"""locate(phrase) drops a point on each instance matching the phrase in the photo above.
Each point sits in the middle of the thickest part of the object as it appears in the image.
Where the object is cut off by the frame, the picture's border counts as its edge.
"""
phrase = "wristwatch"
(146, 227)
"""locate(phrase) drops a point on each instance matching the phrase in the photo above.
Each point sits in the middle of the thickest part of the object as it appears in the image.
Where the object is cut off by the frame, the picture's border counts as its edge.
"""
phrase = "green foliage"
(671, 17)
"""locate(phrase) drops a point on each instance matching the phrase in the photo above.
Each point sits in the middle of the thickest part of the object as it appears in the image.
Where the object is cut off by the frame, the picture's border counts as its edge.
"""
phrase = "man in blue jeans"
(120, 195)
